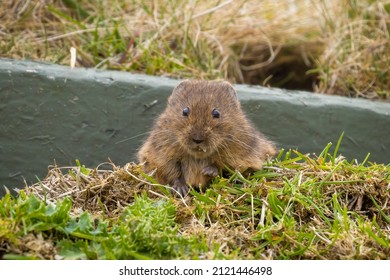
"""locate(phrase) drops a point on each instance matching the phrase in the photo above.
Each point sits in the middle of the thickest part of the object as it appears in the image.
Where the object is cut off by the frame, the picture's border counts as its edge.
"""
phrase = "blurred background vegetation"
(337, 47)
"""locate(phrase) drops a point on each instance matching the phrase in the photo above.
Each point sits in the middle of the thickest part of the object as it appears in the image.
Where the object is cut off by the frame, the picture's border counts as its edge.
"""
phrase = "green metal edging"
(53, 113)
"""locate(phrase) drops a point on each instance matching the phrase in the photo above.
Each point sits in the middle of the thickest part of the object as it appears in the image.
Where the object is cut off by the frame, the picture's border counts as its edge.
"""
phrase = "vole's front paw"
(210, 170)
(180, 187)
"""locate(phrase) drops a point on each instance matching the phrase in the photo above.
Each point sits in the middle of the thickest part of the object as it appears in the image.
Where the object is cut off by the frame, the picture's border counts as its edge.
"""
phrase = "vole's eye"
(215, 113)
(186, 111)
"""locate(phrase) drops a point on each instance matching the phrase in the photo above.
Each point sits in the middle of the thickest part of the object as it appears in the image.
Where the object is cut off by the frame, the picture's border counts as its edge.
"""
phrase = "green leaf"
(336, 150)
(387, 8)
(276, 205)
(72, 250)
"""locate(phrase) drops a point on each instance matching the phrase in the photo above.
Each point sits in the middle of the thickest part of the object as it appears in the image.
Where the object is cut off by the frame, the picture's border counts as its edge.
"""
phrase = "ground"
(297, 207)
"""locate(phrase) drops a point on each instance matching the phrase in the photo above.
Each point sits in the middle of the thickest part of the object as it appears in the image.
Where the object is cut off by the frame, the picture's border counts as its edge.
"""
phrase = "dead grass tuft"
(296, 208)
(334, 47)
(355, 61)
(102, 192)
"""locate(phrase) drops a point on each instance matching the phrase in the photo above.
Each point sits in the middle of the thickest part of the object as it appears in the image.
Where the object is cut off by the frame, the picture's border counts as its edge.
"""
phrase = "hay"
(99, 191)
(356, 56)
(329, 46)
(234, 211)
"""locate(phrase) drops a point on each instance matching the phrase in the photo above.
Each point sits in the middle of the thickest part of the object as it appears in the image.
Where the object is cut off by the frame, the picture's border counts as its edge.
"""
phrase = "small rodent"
(202, 129)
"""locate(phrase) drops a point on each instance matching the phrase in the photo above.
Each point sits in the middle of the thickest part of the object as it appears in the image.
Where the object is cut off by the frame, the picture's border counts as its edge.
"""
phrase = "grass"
(297, 207)
(356, 59)
(329, 46)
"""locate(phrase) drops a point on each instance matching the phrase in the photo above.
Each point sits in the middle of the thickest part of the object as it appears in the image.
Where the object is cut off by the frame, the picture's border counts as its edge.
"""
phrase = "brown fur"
(190, 150)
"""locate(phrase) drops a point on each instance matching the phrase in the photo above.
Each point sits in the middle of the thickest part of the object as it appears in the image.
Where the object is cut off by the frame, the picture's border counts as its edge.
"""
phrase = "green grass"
(145, 230)
(297, 207)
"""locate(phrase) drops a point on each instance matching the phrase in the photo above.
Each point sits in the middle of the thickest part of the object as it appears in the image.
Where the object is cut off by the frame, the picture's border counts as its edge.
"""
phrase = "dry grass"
(298, 207)
(99, 191)
(335, 47)
(356, 58)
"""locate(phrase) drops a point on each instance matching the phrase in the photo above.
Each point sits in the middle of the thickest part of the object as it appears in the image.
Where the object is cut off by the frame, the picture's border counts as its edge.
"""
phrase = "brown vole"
(202, 129)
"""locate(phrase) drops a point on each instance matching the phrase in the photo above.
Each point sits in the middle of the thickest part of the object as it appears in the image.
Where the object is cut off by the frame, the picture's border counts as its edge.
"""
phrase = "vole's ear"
(178, 90)
(229, 88)
(181, 85)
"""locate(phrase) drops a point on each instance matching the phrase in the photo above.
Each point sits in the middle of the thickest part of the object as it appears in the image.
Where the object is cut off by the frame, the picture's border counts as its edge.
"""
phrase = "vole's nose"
(197, 140)
(197, 137)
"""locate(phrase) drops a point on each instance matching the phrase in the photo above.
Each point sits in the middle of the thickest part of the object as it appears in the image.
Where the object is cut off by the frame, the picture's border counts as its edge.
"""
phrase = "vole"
(202, 129)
